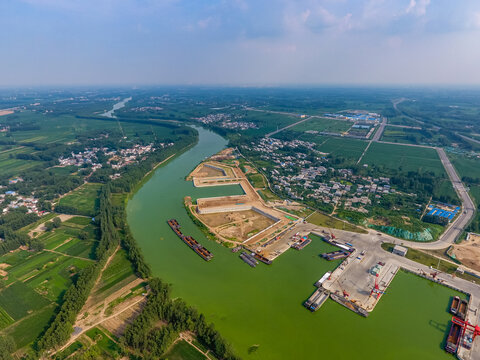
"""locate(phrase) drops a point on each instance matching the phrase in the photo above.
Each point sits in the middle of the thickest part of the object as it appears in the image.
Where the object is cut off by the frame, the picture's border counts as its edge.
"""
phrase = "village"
(298, 175)
(225, 121)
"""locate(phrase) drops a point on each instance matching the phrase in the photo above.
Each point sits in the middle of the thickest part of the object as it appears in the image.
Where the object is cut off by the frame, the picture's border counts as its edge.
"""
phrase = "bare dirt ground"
(468, 252)
(207, 171)
(237, 230)
(219, 219)
(117, 324)
(6, 112)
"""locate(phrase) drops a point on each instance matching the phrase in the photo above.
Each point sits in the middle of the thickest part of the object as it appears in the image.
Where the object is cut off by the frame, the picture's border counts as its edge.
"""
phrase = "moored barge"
(462, 309)
(455, 305)
(190, 241)
(453, 338)
(249, 259)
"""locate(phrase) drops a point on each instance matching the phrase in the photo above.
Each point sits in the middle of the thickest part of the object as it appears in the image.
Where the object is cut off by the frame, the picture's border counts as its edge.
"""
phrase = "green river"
(259, 310)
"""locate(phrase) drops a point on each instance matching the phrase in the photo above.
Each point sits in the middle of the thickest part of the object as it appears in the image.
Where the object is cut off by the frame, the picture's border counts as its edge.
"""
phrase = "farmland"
(403, 158)
(36, 281)
(83, 199)
(342, 147)
(323, 125)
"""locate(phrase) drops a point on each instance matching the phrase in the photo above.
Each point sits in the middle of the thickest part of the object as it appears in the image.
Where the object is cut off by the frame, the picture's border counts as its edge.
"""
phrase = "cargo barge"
(455, 305)
(300, 244)
(462, 309)
(263, 259)
(453, 338)
(335, 255)
(316, 300)
(249, 259)
(190, 241)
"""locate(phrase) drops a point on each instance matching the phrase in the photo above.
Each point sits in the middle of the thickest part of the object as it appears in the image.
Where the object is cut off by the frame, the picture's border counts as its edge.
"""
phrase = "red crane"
(376, 292)
(465, 325)
(331, 234)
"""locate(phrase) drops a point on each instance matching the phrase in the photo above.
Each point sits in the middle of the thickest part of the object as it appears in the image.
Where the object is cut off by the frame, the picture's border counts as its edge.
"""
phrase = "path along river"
(260, 310)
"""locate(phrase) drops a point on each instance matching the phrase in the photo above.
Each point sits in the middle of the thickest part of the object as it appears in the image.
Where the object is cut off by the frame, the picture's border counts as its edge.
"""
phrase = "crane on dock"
(466, 326)
(376, 292)
(331, 234)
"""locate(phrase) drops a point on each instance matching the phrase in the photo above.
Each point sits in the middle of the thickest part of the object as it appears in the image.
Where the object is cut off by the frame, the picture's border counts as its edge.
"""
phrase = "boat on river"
(453, 338)
(190, 241)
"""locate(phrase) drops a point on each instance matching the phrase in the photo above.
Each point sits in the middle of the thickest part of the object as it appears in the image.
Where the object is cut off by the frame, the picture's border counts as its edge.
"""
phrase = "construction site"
(242, 220)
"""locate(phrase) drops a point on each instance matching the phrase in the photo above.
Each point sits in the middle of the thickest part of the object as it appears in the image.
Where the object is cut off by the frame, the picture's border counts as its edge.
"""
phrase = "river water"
(116, 106)
(259, 310)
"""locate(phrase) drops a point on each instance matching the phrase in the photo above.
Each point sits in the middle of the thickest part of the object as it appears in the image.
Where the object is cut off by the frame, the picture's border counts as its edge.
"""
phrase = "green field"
(84, 199)
(5, 319)
(27, 330)
(404, 158)
(256, 180)
(18, 300)
(330, 222)
(347, 148)
(410, 136)
(182, 350)
(119, 273)
(323, 125)
(108, 346)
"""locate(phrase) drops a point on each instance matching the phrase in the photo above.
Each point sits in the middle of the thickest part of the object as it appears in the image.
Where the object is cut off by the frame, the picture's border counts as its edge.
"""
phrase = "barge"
(335, 255)
(462, 309)
(316, 300)
(249, 259)
(455, 305)
(453, 338)
(263, 259)
(190, 241)
(300, 244)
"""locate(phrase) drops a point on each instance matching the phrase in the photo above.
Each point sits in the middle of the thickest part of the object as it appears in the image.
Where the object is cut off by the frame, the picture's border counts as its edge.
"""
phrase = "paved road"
(468, 138)
(380, 130)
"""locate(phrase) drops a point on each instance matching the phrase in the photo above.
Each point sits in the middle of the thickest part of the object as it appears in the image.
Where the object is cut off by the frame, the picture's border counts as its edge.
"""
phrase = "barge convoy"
(190, 241)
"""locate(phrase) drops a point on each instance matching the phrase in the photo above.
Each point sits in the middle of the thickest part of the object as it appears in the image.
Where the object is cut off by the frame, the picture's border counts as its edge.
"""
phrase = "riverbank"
(260, 310)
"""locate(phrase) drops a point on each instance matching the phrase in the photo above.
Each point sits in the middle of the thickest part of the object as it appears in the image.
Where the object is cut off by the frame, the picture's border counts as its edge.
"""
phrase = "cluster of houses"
(302, 177)
(17, 201)
(146, 108)
(117, 159)
(226, 121)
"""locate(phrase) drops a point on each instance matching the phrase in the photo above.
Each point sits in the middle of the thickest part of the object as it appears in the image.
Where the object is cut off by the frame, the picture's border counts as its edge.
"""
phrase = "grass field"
(5, 319)
(256, 180)
(330, 222)
(323, 124)
(347, 148)
(84, 199)
(404, 158)
(409, 136)
(182, 350)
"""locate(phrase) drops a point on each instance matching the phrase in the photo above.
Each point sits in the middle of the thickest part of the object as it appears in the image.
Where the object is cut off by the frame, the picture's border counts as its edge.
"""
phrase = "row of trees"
(144, 337)
(75, 297)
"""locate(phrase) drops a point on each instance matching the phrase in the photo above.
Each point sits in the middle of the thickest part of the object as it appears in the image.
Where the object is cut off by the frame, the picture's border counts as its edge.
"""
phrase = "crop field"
(323, 124)
(116, 275)
(5, 319)
(31, 266)
(267, 122)
(18, 300)
(27, 330)
(103, 342)
(56, 278)
(183, 351)
(404, 158)
(466, 166)
(12, 166)
(409, 136)
(347, 148)
(84, 199)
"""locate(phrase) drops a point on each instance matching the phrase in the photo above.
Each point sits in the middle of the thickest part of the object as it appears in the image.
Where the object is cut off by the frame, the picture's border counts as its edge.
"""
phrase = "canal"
(259, 310)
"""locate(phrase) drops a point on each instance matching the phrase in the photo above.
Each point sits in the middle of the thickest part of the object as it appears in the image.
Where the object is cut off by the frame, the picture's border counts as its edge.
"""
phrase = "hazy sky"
(239, 42)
